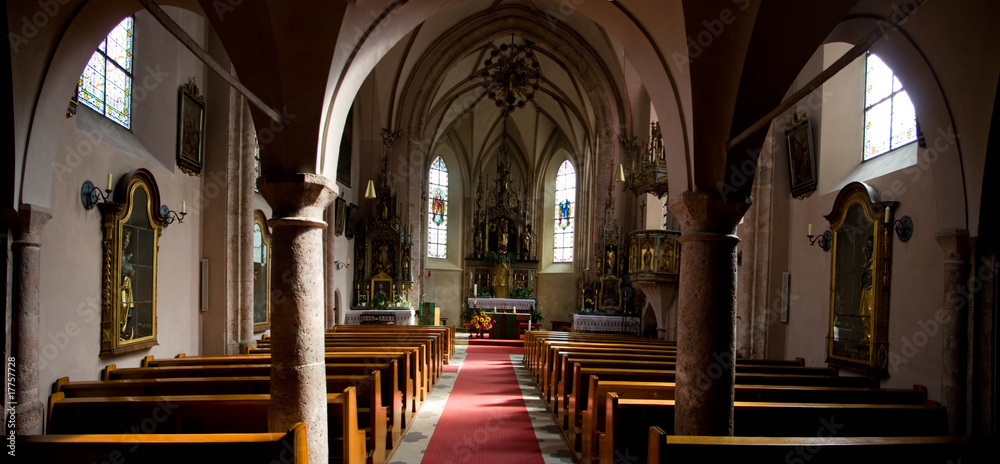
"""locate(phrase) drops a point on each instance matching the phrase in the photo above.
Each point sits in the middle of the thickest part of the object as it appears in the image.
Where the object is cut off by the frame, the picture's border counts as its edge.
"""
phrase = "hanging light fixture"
(510, 75)
(370, 192)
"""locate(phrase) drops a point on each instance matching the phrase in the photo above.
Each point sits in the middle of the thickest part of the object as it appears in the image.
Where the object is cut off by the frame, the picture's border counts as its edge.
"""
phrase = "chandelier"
(648, 173)
(510, 75)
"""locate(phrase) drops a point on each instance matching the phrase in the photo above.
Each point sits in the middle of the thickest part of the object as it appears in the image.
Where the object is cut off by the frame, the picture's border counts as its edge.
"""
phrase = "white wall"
(71, 254)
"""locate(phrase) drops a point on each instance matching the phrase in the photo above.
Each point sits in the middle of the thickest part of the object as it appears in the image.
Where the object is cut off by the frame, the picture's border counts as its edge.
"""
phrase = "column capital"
(955, 243)
(28, 221)
(699, 213)
(297, 195)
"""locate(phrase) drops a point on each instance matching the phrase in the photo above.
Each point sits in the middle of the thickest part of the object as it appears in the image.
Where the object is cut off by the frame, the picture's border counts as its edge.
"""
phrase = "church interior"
(212, 178)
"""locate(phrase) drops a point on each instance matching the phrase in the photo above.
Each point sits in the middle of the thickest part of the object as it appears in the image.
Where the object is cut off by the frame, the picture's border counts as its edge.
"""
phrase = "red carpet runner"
(485, 420)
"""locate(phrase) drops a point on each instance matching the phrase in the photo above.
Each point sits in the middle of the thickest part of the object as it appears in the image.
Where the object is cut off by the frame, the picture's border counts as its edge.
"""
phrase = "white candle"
(810, 230)
(109, 181)
(183, 206)
(886, 214)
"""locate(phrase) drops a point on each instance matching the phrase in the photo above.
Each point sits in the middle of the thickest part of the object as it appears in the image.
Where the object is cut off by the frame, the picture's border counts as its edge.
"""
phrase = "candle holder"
(903, 228)
(824, 241)
(172, 215)
(91, 196)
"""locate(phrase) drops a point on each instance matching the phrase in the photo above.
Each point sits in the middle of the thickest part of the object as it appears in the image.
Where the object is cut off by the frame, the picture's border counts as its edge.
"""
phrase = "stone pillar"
(706, 315)
(298, 367)
(26, 264)
(955, 244)
(245, 255)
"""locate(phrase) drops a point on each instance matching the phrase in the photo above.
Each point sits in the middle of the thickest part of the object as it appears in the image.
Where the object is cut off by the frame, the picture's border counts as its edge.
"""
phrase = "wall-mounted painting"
(340, 213)
(801, 157)
(190, 129)
(352, 221)
(344, 167)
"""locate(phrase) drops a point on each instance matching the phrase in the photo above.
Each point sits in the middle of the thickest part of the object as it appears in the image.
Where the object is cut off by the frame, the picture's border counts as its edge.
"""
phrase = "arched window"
(437, 210)
(106, 82)
(890, 120)
(565, 208)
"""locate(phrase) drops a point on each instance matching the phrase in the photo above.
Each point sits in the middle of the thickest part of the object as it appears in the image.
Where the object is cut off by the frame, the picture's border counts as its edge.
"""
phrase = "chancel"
(503, 230)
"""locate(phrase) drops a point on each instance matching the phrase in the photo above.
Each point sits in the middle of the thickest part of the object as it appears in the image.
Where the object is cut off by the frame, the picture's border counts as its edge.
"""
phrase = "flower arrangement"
(482, 322)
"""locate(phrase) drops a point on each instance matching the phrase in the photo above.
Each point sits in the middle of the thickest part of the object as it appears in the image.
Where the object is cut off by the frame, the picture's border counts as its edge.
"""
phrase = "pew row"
(200, 414)
(674, 449)
(245, 448)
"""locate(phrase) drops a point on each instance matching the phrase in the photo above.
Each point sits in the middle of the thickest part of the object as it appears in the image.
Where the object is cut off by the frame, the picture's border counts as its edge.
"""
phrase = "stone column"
(26, 264)
(706, 315)
(955, 244)
(298, 367)
(245, 255)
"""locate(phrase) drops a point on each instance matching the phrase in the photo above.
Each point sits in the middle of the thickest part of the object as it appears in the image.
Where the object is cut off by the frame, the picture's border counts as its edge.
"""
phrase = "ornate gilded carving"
(132, 224)
(859, 280)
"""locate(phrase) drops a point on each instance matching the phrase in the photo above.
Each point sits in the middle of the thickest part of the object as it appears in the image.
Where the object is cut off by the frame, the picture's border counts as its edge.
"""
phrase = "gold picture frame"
(261, 273)
(190, 129)
(132, 224)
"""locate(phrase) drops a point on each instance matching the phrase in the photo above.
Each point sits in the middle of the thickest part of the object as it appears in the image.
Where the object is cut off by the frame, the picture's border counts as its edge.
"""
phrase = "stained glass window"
(565, 208)
(890, 120)
(437, 211)
(106, 82)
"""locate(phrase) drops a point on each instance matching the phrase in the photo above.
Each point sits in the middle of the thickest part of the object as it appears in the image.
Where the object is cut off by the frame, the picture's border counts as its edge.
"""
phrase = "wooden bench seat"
(592, 419)
(674, 449)
(407, 375)
(200, 414)
(394, 397)
(627, 421)
(383, 431)
(244, 448)
(447, 333)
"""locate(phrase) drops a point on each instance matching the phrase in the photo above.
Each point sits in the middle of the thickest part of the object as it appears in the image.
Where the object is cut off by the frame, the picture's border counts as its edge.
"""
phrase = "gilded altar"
(382, 243)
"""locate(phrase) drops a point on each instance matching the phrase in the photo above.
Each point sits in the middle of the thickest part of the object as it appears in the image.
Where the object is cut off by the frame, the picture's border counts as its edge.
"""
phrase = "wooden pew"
(394, 397)
(746, 373)
(407, 374)
(593, 418)
(447, 332)
(665, 448)
(244, 448)
(200, 414)
(627, 421)
(383, 432)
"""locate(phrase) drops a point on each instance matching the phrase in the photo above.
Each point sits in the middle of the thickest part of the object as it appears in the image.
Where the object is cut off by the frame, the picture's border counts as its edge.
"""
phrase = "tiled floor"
(550, 439)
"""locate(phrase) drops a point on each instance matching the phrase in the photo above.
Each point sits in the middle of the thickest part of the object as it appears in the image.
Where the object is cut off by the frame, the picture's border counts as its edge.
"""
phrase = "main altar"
(501, 257)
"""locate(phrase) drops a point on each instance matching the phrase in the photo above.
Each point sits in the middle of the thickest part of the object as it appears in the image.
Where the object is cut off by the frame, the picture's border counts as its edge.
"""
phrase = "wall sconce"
(824, 241)
(903, 228)
(370, 191)
(90, 195)
(172, 215)
(340, 265)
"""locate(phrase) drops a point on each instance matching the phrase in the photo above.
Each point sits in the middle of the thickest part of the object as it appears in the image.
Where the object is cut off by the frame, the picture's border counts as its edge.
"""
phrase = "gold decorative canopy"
(648, 173)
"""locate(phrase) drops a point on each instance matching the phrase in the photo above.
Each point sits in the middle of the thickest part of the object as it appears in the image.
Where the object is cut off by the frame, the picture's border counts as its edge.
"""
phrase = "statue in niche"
(526, 239)
(609, 268)
(479, 241)
(647, 257)
(502, 238)
(128, 300)
(867, 306)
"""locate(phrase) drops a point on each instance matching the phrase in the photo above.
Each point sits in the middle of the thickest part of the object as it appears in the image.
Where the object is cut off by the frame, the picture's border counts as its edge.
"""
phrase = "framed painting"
(190, 129)
(610, 298)
(352, 221)
(340, 213)
(801, 157)
(382, 287)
